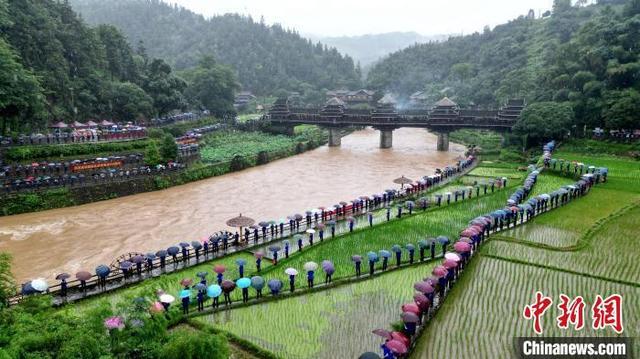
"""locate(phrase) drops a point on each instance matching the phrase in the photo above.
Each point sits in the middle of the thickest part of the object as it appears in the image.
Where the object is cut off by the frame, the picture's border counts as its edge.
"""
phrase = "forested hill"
(586, 56)
(266, 58)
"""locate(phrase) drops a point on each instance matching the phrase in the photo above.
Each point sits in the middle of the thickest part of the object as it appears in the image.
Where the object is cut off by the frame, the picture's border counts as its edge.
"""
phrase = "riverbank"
(218, 159)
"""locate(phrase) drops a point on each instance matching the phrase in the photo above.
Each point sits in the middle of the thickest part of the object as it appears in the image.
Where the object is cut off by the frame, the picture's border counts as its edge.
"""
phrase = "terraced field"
(329, 324)
(484, 311)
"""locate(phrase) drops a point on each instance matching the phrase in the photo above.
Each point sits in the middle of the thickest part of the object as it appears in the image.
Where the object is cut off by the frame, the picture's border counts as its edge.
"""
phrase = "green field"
(330, 324)
(586, 248)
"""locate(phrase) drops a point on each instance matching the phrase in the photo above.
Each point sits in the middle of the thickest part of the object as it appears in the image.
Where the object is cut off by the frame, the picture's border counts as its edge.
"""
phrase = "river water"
(46, 243)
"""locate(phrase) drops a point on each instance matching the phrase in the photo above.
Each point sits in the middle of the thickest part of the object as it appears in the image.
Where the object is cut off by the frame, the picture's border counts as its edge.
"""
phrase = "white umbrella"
(291, 271)
(39, 284)
(167, 298)
(310, 266)
(310, 231)
(452, 256)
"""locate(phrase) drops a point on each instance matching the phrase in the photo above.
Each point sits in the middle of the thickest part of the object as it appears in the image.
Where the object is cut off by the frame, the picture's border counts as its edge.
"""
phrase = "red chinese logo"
(536, 310)
(604, 312)
(608, 313)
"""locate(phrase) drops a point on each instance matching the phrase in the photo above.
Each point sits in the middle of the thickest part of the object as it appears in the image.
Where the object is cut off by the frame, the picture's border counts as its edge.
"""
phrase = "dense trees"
(265, 58)
(54, 67)
(212, 86)
(586, 56)
(544, 120)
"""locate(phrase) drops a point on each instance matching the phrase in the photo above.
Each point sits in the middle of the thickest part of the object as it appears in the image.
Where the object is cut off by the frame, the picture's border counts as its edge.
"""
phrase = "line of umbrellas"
(444, 275)
(127, 267)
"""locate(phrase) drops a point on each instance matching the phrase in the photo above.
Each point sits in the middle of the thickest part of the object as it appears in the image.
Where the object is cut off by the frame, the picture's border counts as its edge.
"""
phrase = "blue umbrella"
(373, 256)
(423, 243)
(443, 240)
(241, 262)
(173, 250)
(202, 275)
(410, 247)
(196, 245)
(356, 258)
(185, 293)
(162, 253)
(200, 287)
(274, 248)
(150, 256)
(275, 285)
(184, 244)
(102, 271)
(214, 291)
(385, 254)
(396, 248)
(243, 283)
(257, 282)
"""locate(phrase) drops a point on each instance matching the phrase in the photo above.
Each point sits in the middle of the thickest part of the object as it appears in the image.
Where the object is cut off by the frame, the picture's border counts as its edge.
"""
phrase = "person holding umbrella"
(274, 250)
(166, 300)
(388, 213)
(422, 244)
(102, 271)
(320, 227)
(257, 283)
(201, 288)
(329, 269)
(258, 256)
(62, 277)
(299, 238)
(398, 251)
(370, 217)
(444, 241)
(286, 249)
(310, 267)
(385, 258)
(274, 286)
(227, 287)
(185, 295)
(292, 278)
(214, 291)
(357, 260)
(373, 258)
(219, 269)
(351, 223)
(244, 284)
(332, 223)
(411, 248)
(241, 262)
(310, 232)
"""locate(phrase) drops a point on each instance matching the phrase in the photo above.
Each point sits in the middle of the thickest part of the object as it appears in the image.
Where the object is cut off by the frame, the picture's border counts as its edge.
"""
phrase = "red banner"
(94, 165)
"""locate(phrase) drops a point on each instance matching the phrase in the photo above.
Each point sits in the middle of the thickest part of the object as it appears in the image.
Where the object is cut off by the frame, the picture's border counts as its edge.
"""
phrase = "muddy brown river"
(46, 243)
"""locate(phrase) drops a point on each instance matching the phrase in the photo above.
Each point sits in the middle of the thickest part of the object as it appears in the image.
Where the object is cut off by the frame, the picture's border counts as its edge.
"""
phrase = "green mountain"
(586, 56)
(266, 58)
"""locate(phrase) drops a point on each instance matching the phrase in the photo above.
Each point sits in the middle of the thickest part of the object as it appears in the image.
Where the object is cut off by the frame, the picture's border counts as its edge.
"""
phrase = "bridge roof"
(446, 102)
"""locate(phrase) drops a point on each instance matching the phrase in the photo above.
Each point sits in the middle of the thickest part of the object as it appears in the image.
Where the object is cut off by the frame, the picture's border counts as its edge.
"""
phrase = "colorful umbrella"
(185, 293)
(462, 247)
(275, 285)
(356, 258)
(383, 333)
(257, 282)
(439, 271)
(219, 268)
(214, 291)
(396, 346)
(411, 308)
(228, 286)
(409, 317)
(186, 282)
(243, 283)
(452, 257)
(83, 275)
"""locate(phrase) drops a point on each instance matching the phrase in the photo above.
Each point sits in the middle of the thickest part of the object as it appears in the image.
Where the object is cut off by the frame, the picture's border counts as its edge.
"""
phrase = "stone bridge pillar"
(386, 137)
(335, 138)
(443, 141)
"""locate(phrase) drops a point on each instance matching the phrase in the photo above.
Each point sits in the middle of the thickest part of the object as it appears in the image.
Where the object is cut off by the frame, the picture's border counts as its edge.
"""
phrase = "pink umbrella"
(468, 233)
(462, 247)
(449, 264)
(219, 268)
(396, 346)
(186, 282)
(433, 280)
(466, 240)
(409, 317)
(411, 308)
(440, 271)
(452, 256)
(422, 301)
(156, 307)
(401, 337)
(383, 333)
(423, 287)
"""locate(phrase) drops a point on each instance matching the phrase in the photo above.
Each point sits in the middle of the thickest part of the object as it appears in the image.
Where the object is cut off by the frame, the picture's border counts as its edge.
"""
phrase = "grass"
(224, 145)
(328, 324)
(483, 313)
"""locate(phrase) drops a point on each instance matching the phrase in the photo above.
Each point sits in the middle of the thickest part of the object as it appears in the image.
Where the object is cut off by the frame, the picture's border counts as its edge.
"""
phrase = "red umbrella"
(462, 247)
(186, 282)
(449, 264)
(411, 308)
(422, 301)
(401, 337)
(468, 233)
(439, 271)
(59, 124)
(219, 268)
(383, 333)
(396, 346)
(83, 275)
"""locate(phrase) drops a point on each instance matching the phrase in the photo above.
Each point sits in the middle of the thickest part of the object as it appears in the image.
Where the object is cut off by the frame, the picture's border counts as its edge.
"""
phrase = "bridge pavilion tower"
(384, 116)
(332, 113)
(279, 114)
(443, 112)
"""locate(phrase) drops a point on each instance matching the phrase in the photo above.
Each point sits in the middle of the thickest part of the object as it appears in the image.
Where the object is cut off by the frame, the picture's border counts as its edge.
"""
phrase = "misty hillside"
(266, 58)
(585, 56)
(368, 49)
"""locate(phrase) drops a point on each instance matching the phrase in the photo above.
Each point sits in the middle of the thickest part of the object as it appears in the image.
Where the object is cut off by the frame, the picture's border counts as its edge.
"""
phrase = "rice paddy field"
(335, 323)
(586, 248)
(483, 313)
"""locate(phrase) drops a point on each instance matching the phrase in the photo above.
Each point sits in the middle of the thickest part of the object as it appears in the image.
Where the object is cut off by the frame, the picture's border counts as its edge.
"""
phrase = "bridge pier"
(283, 129)
(386, 138)
(335, 138)
(443, 141)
